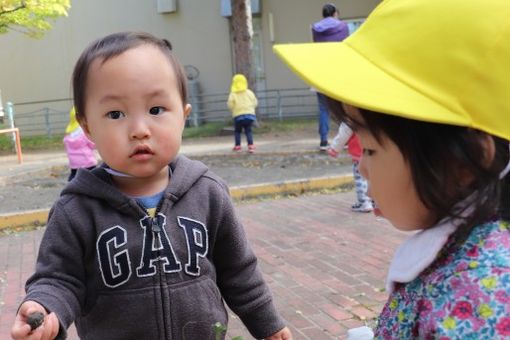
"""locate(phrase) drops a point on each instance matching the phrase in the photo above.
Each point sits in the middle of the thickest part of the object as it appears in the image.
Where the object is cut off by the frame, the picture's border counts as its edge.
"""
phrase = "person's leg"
(238, 128)
(364, 203)
(249, 136)
(247, 130)
(323, 120)
(358, 182)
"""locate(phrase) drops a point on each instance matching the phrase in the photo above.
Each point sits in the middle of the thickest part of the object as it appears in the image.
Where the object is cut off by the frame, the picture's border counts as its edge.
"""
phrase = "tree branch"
(3, 11)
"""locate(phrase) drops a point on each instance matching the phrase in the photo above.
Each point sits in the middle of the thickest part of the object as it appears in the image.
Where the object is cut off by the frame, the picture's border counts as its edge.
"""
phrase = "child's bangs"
(339, 115)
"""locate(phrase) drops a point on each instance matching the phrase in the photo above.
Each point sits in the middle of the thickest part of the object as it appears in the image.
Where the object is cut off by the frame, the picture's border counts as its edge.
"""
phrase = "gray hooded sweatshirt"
(120, 274)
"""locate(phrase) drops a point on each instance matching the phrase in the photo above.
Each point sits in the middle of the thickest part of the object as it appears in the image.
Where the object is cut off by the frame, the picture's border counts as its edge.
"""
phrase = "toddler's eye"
(115, 114)
(368, 152)
(156, 110)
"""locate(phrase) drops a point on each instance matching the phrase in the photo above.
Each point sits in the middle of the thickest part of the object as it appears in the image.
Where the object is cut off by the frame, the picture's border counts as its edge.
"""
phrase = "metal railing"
(50, 117)
(273, 104)
(45, 117)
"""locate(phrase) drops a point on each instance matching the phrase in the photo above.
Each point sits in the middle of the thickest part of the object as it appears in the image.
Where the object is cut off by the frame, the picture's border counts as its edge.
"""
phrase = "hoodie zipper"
(156, 229)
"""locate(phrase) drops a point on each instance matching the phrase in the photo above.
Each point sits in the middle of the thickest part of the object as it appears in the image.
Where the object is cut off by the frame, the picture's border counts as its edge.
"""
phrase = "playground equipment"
(11, 129)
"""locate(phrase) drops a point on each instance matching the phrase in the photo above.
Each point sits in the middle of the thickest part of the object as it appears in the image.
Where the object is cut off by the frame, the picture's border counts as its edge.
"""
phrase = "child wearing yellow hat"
(242, 102)
(424, 85)
(79, 149)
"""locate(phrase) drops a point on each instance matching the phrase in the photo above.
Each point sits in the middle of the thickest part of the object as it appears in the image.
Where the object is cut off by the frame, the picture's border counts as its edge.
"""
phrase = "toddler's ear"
(187, 110)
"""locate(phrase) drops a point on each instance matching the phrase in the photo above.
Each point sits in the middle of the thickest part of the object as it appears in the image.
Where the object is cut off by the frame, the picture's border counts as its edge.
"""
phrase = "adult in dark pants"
(330, 28)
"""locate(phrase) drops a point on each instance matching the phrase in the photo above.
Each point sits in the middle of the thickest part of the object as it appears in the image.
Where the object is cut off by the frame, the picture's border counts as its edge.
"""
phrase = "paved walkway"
(326, 266)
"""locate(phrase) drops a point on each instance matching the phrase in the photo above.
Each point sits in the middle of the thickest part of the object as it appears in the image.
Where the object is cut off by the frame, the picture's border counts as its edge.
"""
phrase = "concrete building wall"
(292, 22)
(32, 70)
(36, 70)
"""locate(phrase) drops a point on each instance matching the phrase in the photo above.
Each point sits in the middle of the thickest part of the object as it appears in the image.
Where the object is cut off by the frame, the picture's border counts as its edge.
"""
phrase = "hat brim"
(340, 72)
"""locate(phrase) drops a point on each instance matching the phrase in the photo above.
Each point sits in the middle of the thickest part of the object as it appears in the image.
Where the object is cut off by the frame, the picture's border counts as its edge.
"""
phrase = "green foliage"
(292, 124)
(31, 17)
(32, 143)
(205, 130)
(267, 126)
(219, 329)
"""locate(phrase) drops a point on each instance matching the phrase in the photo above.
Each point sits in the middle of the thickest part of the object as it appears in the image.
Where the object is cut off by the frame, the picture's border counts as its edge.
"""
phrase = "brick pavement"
(325, 265)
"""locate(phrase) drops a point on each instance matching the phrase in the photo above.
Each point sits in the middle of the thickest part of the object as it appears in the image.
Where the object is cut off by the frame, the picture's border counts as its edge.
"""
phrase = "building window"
(226, 7)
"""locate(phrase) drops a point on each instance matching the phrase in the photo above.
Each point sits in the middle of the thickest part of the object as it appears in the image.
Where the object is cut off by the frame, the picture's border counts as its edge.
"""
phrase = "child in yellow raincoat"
(242, 102)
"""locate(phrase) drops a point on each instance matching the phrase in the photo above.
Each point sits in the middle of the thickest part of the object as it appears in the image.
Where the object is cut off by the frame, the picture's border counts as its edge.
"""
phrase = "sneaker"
(323, 146)
(356, 205)
(236, 148)
(364, 207)
(251, 148)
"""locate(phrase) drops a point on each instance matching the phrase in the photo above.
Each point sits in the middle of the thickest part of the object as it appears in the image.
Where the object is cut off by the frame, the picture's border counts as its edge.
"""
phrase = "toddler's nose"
(139, 129)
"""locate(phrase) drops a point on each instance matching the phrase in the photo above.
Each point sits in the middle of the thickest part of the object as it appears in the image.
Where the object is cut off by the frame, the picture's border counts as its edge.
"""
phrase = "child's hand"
(48, 330)
(332, 153)
(283, 334)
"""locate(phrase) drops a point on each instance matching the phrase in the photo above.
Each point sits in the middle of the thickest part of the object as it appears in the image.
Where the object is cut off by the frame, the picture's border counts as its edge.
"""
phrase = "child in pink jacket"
(79, 149)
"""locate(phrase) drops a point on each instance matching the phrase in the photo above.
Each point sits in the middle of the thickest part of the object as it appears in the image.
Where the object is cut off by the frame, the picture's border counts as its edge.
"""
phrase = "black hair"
(113, 45)
(439, 157)
(328, 10)
(504, 208)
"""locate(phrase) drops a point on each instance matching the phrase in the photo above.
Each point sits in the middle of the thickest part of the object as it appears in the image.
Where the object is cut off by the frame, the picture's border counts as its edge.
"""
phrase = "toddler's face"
(390, 181)
(134, 112)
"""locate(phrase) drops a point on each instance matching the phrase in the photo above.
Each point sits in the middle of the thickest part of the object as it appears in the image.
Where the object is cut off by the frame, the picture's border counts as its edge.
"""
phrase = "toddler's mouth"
(142, 150)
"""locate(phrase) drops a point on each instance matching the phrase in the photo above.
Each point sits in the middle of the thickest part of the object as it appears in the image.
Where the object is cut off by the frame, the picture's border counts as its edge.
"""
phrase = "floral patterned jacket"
(464, 294)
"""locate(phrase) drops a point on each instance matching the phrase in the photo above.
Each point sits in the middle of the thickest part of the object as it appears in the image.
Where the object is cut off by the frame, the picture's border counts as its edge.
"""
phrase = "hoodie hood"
(330, 29)
(239, 83)
(98, 183)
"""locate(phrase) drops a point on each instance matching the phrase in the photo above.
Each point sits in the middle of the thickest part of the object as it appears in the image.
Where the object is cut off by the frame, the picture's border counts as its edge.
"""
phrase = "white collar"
(419, 251)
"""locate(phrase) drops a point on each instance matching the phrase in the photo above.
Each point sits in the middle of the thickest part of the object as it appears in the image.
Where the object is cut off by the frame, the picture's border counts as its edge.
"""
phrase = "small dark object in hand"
(35, 319)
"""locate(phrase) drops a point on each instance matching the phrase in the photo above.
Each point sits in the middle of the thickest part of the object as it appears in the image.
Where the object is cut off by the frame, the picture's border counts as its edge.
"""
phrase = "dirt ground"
(40, 189)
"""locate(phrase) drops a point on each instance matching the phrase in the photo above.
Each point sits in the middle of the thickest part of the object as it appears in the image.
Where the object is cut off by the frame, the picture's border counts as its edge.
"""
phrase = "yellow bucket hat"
(73, 123)
(443, 61)
(239, 83)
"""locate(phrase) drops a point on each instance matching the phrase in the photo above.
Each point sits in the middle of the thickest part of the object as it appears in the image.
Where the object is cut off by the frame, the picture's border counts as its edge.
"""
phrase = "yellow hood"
(73, 123)
(239, 83)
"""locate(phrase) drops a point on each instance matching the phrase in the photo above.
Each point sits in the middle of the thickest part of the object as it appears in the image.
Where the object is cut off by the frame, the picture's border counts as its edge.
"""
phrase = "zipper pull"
(155, 225)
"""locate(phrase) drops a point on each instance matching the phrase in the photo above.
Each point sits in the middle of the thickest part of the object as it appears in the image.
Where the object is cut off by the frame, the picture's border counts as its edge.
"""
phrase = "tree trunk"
(242, 32)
